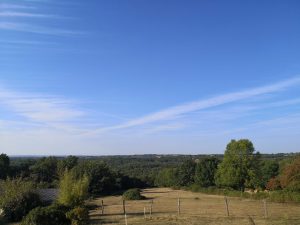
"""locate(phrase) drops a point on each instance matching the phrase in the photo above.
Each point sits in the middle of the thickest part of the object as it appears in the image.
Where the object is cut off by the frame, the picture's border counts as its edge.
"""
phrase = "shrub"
(290, 177)
(46, 216)
(285, 196)
(133, 194)
(17, 199)
(78, 216)
(73, 191)
(273, 184)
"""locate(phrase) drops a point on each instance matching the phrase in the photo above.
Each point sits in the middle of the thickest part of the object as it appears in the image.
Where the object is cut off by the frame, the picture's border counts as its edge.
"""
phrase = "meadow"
(195, 208)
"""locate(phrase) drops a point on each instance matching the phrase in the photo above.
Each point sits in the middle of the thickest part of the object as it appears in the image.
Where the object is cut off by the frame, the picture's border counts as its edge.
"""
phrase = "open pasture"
(195, 208)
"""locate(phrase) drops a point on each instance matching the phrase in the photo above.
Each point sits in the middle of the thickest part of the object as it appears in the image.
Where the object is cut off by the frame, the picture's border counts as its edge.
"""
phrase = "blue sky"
(153, 76)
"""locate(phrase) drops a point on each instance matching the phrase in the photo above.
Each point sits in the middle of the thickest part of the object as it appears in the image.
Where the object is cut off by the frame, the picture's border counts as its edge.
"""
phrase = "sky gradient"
(148, 77)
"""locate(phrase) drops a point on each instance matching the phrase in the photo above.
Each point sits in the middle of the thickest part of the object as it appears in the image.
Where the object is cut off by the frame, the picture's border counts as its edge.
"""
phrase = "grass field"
(195, 208)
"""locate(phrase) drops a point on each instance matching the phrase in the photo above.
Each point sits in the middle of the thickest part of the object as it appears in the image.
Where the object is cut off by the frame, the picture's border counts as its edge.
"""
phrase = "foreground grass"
(196, 208)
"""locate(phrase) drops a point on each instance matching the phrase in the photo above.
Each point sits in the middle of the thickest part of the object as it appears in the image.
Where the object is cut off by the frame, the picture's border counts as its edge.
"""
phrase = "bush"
(290, 176)
(47, 216)
(273, 184)
(78, 216)
(133, 194)
(17, 199)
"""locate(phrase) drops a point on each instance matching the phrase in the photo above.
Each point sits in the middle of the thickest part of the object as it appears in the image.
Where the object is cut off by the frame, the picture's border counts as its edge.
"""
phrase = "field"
(195, 208)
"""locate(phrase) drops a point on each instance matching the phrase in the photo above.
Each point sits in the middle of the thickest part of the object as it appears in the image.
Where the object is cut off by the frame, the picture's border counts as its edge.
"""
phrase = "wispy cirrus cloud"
(184, 109)
(8, 14)
(39, 108)
(23, 27)
(15, 6)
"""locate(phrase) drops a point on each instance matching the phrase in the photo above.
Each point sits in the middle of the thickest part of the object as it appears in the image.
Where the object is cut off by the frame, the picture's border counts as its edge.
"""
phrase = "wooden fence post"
(151, 205)
(124, 208)
(226, 205)
(144, 212)
(125, 219)
(178, 206)
(265, 208)
(102, 207)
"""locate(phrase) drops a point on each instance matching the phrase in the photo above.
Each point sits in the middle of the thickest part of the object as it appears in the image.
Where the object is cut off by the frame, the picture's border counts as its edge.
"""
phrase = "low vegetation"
(133, 194)
(17, 198)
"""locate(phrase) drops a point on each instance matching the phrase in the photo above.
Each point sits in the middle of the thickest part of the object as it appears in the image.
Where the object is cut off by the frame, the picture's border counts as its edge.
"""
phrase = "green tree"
(67, 163)
(4, 166)
(269, 169)
(167, 177)
(240, 166)
(205, 172)
(17, 198)
(73, 190)
(102, 179)
(186, 173)
(44, 170)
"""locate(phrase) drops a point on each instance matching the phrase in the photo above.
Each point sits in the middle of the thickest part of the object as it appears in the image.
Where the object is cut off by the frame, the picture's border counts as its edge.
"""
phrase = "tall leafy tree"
(240, 166)
(205, 172)
(102, 179)
(167, 177)
(67, 164)
(186, 173)
(45, 170)
(4, 166)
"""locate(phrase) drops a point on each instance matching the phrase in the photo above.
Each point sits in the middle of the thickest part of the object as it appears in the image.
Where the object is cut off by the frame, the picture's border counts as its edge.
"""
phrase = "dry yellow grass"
(196, 208)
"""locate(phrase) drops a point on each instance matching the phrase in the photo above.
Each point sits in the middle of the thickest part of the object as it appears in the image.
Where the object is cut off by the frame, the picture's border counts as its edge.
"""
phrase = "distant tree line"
(241, 167)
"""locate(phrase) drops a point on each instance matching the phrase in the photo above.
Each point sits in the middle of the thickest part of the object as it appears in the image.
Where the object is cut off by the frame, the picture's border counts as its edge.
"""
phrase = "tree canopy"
(240, 166)
(205, 171)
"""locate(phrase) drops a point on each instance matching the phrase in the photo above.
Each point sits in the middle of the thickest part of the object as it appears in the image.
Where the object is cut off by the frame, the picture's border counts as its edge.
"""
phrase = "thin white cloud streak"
(15, 6)
(26, 14)
(37, 108)
(181, 110)
(24, 42)
(22, 27)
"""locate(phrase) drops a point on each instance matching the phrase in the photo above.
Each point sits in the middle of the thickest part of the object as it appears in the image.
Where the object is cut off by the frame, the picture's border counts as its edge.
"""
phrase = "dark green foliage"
(17, 199)
(240, 167)
(133, 194)
(167, 178)
(4, 166)
(269, 169)
(126, 182)
(45, 170)
(67, 163)
(21, 168)
(46, 216)
(285, 196)
(144, 168)
(205, 171)
(78, 216)
(102, 179)
(186, 172)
